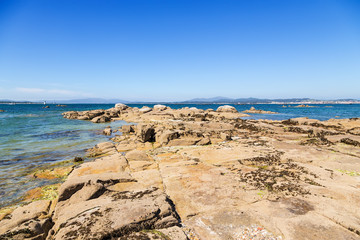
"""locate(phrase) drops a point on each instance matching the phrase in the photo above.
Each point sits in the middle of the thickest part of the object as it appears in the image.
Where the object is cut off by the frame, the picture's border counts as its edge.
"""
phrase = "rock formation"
(204, 174)
(258, 111)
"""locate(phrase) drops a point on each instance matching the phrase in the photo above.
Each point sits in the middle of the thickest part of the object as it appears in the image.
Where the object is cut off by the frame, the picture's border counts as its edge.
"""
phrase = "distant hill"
(7, 101)
(262, 100)
(93, 100)
(214, 99)
(244, 100)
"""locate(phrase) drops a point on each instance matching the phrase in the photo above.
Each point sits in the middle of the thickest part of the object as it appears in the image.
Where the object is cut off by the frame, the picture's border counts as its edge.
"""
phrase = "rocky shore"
(204, 174)
(258, 111)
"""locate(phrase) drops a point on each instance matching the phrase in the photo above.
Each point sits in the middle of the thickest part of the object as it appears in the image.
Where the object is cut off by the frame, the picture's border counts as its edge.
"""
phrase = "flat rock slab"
(109, 164)
(115, 214)
(27, 222)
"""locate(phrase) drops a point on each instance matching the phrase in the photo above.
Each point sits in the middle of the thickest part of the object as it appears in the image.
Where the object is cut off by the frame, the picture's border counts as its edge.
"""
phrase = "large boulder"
(127, 128)
(107, 131)
(160, 107)
(121, 106)
(145, 109)
(101, 119)
(145, 133)
(227, 108)
(168, 135)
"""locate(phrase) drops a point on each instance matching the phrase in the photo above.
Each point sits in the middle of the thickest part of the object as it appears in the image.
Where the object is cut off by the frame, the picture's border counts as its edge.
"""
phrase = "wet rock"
(107, 131)
(258, 111)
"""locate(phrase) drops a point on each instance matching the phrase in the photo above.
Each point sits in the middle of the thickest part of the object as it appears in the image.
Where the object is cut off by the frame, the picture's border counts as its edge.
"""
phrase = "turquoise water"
(33, 137)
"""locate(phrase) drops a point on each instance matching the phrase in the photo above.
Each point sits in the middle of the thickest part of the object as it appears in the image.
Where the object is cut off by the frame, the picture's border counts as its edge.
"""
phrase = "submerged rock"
(107, 131)
(258, 111)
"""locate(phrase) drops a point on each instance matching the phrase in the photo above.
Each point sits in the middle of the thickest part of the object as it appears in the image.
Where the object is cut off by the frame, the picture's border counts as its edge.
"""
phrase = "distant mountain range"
(244, 100)
(214, 100)
(262, 100)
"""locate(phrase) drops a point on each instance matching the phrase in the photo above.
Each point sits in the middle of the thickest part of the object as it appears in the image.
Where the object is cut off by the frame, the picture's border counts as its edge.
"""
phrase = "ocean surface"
(32, 137)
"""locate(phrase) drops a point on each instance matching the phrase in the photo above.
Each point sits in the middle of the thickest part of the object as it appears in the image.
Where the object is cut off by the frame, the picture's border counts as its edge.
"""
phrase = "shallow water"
(32, 137)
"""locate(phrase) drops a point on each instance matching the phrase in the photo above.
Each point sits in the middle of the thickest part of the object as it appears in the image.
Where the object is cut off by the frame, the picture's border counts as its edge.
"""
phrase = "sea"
(33, 137)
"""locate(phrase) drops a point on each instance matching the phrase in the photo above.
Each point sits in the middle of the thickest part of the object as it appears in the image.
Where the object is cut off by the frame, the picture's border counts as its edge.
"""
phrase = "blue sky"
(169, 50)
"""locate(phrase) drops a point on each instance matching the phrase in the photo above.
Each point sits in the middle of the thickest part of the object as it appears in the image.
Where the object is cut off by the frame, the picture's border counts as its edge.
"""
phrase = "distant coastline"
(216, 100)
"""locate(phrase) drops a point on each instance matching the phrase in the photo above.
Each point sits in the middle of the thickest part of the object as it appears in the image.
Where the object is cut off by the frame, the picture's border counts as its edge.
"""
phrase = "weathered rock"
(160, 107)
(227, 108)
(99, 218)
(125, 147)
(27, 222)
(107, 131)
(166, 136)
(145, 110)
(277, 170)
(103, 148)
(121, 106)
(115, 163)
(74, 184)
(145, 133)
(137, 155)
(127, 128)
(258, 111)
(204, 141)
(101, 119)
(225, 136)
(183, 142)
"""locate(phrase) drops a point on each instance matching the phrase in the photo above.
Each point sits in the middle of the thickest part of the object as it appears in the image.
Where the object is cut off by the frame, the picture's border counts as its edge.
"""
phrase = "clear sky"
(169, 50)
